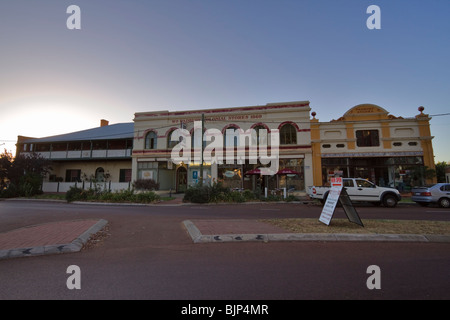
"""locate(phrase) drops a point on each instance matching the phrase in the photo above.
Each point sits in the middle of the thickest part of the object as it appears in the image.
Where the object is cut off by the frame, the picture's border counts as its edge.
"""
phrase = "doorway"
(181, 179)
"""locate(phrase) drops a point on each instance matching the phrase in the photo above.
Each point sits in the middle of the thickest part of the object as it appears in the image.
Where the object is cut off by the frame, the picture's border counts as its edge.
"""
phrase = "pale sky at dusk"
(135, 55)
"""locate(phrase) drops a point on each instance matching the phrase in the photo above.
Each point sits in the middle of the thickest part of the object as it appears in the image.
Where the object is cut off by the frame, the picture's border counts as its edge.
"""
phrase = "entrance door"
(181, 179)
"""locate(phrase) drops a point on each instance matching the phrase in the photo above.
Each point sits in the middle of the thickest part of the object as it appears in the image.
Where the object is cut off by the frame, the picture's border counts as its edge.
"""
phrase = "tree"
(440, 171)
(420, 175)
(23, 173)
(6, 160)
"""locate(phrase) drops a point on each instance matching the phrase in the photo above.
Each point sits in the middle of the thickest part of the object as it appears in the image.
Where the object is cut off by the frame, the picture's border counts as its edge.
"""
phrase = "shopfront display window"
(401, 173)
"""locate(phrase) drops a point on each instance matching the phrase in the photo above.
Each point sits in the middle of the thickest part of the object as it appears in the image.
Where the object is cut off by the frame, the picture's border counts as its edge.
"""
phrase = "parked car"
(360, 190)
(438, 193)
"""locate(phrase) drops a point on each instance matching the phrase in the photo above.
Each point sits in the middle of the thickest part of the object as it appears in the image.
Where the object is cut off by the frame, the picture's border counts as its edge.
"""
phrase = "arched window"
(197, 139)
(231, 136)
(151, 140)
(170, 143)
(259, 138)
(100, 174)
(288, 134)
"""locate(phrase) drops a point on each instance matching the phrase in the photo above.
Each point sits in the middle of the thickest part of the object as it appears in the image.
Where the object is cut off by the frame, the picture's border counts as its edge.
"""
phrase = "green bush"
(236, 196)
(198, 194)
(147, 197)
(215, 193)
(77, 194)
(10, 192)
(146, 184)
(248, 195)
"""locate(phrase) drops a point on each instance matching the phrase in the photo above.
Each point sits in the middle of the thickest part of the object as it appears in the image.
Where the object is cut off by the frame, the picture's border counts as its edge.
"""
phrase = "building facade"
(226, 145)
(153, 146)
(368, 142)
(100, 155)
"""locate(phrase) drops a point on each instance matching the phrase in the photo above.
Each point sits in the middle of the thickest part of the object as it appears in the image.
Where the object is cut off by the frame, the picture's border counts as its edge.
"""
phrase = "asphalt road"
(149, 255)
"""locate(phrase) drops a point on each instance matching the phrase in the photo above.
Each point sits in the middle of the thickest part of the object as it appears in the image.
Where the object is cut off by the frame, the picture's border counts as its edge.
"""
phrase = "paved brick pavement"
(48, 238)
(44, 234)
(217, 227)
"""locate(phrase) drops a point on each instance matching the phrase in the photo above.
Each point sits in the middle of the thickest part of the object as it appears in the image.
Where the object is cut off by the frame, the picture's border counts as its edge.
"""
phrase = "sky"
(149, 55)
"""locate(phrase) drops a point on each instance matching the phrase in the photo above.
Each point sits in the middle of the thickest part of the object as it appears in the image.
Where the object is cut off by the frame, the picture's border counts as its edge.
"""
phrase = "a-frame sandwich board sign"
(338, 193)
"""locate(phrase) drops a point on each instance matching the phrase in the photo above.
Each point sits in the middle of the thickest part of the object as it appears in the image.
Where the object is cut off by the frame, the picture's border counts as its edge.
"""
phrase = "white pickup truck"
(360, 190)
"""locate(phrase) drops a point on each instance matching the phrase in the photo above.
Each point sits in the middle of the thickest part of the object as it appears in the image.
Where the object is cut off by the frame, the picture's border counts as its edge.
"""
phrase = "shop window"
(367, 138)
(288, 134)
(151, 140)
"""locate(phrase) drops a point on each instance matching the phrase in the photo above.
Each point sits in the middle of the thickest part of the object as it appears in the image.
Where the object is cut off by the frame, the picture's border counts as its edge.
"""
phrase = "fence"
(103, 186)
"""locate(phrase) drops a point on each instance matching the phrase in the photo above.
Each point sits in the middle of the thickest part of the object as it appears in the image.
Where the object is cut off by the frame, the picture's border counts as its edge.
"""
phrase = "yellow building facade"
(370, 143)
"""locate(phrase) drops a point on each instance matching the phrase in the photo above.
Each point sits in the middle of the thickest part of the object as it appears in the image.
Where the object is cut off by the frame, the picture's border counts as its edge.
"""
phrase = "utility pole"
(201, 159)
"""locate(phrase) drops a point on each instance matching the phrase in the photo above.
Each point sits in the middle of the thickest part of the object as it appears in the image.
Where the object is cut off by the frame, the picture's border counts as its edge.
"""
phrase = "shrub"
(146, 184)
(236, 196)
(147, 197)
(197, 194)
(215, 193)
(248, 195)
(75, 194)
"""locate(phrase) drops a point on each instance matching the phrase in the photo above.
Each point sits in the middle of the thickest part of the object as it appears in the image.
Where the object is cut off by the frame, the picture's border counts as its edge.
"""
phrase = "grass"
(370, 226)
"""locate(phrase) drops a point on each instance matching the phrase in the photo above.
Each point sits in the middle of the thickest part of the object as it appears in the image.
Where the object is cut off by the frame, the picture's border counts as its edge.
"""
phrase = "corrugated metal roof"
(110, 132)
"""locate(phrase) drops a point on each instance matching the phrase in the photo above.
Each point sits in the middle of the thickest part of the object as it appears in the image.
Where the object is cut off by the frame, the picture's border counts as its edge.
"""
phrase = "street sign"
(349, 209)
(332, 199)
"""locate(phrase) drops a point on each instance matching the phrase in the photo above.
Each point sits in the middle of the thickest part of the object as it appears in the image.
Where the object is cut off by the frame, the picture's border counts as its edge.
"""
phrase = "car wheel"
(444, 203)
(389, 201)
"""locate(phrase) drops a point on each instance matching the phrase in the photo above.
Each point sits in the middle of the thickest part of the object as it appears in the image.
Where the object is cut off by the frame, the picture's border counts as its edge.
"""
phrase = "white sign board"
(332, 199)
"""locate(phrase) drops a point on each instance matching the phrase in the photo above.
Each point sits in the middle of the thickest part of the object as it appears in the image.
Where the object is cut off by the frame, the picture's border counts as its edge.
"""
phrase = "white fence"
(65, 186)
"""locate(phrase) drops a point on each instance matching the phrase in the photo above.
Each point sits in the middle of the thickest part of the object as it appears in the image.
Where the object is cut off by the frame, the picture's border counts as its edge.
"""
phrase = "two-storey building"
(370, 143)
